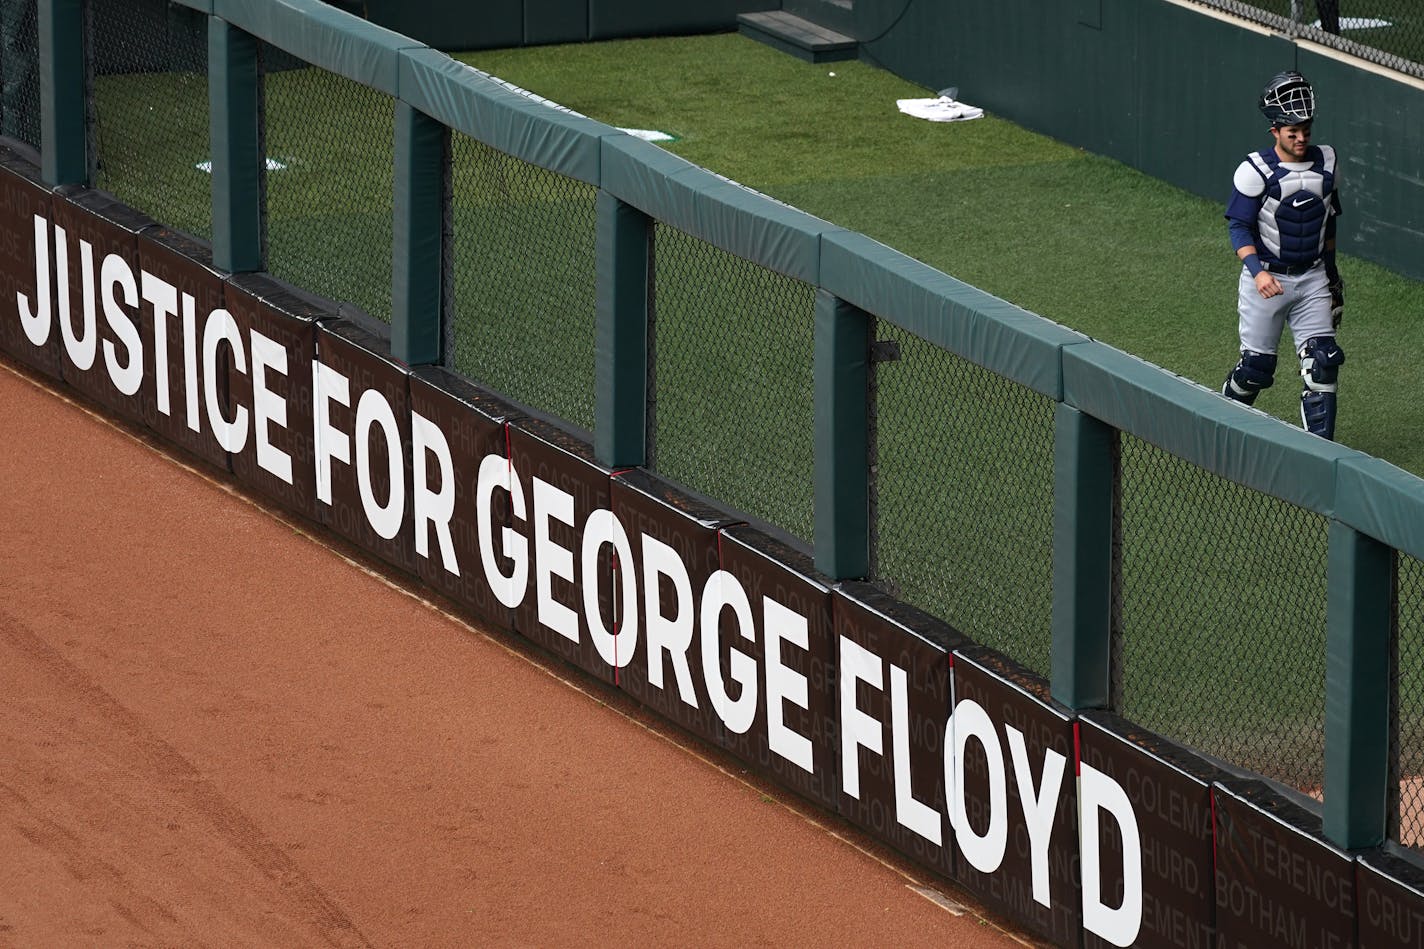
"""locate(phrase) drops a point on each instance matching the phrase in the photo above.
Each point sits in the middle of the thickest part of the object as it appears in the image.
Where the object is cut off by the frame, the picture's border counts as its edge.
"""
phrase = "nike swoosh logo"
(1300, 203)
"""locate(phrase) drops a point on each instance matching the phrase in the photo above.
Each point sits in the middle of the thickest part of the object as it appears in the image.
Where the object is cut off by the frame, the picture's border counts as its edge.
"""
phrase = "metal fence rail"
(329, 168)
(964, 496)
(732, 369)
(524, 279)
(1387, 32)
(19, 73)
(151, 111)
(1408, 689)
(1223, 625)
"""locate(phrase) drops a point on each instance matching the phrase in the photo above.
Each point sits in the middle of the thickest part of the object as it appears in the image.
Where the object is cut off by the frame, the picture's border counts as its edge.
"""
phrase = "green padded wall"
(1375, 122)
(1216, 69)
(469, 101)
(489, 24)
(836, 16)
(324, 36)
(1197, 424)
(555, 21)
(608, 19)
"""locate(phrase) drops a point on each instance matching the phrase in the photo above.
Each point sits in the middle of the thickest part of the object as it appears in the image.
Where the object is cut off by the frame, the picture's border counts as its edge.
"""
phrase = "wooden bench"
(801, 38)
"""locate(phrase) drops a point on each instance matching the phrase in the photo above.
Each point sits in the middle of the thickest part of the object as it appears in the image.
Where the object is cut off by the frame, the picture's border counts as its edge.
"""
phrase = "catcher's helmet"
(1288, 100)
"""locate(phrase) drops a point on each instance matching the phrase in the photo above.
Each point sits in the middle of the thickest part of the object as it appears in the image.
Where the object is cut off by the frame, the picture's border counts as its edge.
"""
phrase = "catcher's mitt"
(1337, 301)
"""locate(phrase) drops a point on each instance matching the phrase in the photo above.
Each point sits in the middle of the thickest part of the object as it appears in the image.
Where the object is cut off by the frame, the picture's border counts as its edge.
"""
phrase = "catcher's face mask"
(1288, 100)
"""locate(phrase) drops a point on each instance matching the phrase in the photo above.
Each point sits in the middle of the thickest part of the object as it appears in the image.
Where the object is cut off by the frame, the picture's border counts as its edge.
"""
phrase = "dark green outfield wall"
(1381, 136)
(492, 24)
(1163, 87)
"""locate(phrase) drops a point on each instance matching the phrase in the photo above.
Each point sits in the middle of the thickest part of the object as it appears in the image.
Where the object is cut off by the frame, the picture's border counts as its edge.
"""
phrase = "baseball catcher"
(1281, 217)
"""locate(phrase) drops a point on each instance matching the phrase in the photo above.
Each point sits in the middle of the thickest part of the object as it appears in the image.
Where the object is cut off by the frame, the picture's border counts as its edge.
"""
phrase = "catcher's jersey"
(1286, 205)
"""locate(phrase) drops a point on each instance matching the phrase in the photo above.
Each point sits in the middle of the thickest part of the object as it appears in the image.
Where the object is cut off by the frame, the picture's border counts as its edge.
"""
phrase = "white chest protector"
(1296, 201)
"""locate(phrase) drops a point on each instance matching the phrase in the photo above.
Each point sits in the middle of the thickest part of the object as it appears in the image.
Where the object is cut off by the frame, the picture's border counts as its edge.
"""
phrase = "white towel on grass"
(939, 109)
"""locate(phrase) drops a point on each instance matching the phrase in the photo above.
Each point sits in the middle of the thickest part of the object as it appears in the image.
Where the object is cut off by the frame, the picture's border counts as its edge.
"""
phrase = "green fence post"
(236, 139)
(620, 426)
(1357, 688)
(1082, 559)
(64, 147)
(842, 474)
(418, 246)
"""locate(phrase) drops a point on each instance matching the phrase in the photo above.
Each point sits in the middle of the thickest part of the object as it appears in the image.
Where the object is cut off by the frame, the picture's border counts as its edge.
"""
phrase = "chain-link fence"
(1409, 701)
(732, 413)
(20, 71)
(1222, 606)
(964, 495)
(524, 280)
(330, 168)
(150, 67)
(1388, 32)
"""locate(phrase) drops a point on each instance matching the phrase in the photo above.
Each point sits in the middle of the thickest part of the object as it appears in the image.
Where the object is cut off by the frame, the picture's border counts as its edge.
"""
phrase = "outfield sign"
(23, 200)
(1081, 829)
(1277, 883)
(1171, 795)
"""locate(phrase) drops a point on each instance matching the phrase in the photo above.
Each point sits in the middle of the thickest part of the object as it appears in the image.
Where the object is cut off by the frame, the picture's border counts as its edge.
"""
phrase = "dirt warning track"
(217, 729)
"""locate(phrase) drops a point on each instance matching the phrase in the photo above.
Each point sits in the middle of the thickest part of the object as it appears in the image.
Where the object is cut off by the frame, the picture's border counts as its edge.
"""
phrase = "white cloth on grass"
(939, 109)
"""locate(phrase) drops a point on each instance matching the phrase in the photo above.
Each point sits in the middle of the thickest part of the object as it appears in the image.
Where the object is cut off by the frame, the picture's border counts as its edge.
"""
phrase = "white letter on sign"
(551, 560)
(1099, 792)
(916, 815)
(36, 319)
(115, 275)
(231, 436)
(987, 852)
(785, 684)
(1038, 809)
(190, 360)
(496, 472)
(616, 646)
(722, 591)
(82, 347)
(668, 635)
(267, 406)
(374, 409)
(164, 297)
(433, 508)
(858, 730)
(328, 386)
